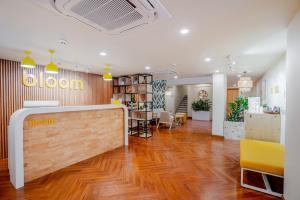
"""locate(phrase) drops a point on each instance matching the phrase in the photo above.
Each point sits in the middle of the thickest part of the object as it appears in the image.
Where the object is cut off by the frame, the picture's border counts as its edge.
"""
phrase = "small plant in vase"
(237, 109)
(234, 127)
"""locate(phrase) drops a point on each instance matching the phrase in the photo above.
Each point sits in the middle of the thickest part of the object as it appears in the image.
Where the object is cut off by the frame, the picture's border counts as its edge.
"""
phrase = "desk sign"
(42, 122)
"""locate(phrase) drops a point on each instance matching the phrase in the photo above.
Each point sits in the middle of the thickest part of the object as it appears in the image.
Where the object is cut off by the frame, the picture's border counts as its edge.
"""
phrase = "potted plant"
(201, 110)
(234, 127)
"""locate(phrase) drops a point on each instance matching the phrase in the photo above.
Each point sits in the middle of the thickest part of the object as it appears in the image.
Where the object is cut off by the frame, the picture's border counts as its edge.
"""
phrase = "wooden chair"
(166, 118)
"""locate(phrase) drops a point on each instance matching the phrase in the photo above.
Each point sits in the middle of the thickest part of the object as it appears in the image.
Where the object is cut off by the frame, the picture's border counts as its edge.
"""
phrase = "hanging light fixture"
(107, 74)
(27, 61)
(245, 84)
(51, 68)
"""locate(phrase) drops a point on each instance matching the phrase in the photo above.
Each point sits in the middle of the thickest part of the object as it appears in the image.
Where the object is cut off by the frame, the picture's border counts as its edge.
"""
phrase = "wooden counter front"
(44, 140)
(56, 140)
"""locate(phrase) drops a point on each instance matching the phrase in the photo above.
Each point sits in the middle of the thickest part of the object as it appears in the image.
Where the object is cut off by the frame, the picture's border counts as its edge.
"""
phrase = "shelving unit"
(135, 91)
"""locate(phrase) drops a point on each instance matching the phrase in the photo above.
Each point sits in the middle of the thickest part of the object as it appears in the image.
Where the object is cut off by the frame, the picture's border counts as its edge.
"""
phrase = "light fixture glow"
(245, 84)
(147, 68)
(51, 68)
(176, 77)
(217, 71)
(102, 53)
(107, 76)
(184, 31)
(207, 59)
(27, 61)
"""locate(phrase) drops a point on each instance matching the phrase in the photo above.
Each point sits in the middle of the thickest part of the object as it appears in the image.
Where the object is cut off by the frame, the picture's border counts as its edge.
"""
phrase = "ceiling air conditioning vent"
(113, 16)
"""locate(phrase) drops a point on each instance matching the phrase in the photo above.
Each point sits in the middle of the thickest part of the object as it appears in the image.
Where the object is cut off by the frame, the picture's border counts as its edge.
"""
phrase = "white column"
(219, 103)
(292, 137)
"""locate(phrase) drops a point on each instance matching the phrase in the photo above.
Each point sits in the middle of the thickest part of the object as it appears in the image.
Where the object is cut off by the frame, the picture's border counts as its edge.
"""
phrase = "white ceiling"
(252, 31)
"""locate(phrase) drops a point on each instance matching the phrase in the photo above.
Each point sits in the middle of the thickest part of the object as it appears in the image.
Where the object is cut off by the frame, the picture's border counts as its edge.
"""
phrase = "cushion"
(262, 156)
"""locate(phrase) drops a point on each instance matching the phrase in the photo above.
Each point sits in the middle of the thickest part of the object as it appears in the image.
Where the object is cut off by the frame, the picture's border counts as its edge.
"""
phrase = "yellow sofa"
(263, 157)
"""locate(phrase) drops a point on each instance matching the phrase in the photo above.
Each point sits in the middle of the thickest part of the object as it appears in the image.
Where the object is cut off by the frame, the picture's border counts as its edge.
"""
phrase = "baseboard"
(217, 136)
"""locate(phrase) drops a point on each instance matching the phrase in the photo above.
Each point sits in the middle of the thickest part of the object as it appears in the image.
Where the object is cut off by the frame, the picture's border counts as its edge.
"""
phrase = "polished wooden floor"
(185, 163)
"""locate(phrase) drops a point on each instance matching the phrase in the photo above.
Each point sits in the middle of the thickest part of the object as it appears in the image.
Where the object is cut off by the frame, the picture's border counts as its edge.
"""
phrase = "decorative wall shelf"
(136, 93)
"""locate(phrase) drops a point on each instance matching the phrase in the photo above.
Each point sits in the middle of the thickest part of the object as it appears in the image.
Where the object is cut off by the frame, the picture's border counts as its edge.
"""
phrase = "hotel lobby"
(149, 99)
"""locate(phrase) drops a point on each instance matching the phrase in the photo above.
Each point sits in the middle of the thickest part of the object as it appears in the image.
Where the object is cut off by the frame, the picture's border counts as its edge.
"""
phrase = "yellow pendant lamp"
(51, 68)
(107, 75)
(27, 61)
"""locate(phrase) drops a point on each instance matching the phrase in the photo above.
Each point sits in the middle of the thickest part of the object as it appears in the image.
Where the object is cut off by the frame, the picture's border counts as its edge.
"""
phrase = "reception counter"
(44, 140)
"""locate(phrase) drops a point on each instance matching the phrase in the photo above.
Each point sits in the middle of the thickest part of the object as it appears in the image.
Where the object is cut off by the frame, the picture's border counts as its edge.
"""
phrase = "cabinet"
(266, 127)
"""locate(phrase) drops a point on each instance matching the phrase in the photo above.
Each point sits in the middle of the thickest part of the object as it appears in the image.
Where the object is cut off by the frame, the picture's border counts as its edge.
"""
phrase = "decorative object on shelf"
(201, 110)
(245, 84)
(116, 102)
(136, 93)
(27, 61)
(274, 110)
(107, 74)
(51, 68)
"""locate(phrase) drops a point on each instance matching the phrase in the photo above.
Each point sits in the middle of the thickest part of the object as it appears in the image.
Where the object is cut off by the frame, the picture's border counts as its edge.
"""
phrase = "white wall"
(193, 94)
(171, 93)
(174, 96)
(292, 158)
(274, 77)
(219, 103)
(190, 81)
(272, 90)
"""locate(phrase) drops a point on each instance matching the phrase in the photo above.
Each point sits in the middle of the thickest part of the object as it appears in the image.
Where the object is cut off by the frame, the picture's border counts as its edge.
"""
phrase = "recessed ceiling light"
(207, 59)
(102, 53)
(176, 77)
(239, 75)
(184, 31)
(147, 68)
(217, 71)
(233, 62)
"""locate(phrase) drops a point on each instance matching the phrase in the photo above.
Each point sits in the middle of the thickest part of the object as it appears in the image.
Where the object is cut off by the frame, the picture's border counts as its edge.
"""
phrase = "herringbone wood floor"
(186, 163)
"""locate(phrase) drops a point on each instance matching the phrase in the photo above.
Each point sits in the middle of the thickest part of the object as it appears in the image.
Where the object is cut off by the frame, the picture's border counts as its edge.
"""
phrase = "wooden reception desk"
(44, 140)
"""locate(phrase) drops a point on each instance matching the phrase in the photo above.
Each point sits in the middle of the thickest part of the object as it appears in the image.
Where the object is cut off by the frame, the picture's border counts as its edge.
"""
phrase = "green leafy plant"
(201, 105)
(237, 109)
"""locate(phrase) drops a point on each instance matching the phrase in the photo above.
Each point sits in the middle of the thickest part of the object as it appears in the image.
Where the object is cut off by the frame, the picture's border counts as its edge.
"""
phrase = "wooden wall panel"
(232, 95)
(71, 138)
(13, 93)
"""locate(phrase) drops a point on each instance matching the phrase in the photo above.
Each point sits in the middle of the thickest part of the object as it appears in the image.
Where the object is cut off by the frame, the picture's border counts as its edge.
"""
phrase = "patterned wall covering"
(159, 89)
